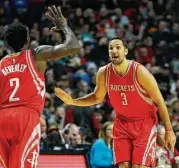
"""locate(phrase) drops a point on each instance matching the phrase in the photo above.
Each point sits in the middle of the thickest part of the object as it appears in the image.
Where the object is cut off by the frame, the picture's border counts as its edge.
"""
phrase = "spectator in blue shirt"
(101, 155)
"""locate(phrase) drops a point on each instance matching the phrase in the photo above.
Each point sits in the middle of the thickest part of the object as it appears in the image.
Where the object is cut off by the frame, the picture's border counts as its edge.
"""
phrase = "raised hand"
(55, 15)
(65, 97)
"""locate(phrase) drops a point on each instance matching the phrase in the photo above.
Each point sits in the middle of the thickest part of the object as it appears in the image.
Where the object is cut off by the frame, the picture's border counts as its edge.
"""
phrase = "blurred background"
(77, 136)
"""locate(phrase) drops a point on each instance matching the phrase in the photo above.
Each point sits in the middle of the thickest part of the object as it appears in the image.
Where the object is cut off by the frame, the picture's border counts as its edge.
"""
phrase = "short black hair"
(119, 38)
(16, 36)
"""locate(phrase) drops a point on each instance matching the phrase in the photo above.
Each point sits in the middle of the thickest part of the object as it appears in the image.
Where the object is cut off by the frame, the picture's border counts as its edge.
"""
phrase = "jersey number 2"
(14, 82)
(124, 99)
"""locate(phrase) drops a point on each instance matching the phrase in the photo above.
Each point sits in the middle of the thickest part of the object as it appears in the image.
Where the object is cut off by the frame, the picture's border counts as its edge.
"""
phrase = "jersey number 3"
(124, 99)
(14, 82)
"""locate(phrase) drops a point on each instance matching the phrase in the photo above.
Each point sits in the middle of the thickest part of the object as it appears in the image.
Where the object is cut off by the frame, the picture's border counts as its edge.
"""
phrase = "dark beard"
(117, 62)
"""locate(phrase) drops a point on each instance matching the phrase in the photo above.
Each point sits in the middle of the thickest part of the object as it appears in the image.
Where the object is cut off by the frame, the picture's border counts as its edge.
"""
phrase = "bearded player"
(135, 97)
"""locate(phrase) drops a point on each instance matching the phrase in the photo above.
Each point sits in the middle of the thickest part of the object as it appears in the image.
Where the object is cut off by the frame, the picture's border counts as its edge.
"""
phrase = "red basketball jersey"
(20, 82)
(129, 99)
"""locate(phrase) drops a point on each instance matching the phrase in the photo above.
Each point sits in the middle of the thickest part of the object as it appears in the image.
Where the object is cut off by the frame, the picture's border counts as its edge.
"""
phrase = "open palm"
(55, 15)
(65, 97)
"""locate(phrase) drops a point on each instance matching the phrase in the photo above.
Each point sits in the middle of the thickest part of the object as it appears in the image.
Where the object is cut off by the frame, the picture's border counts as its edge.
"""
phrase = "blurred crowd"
(149, 27)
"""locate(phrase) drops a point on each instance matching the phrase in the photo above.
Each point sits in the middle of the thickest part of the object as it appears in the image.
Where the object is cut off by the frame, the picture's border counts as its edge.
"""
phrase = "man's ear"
(126, 51)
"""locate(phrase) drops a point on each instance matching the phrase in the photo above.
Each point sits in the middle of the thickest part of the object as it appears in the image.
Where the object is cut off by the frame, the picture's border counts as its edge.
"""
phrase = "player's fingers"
(173, 144)
(52, 12)
(59, 11)
(172, 149)
(63, 98)
(174, 140)
(166, 144)
(50, 17)
(169, 146)
(54, 29)
(60, 91)
(57, 93)
(60, 96)
(56, 11)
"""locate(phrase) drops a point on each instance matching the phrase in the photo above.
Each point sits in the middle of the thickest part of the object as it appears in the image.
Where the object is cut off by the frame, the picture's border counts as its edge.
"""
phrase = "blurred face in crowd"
(130, 28)
(77, 140)
(43, 125)
(60, 112)
(83, 86)
(109, 131)
(98, 116)
(47, 103)
(73, 132)
(79, 12)
(35, 26)
(56, 37)
(148, 41)
(118, 12)
(160, 2)
(176, 106)
(162, 25)
(45, 31)
(175, 27)
(117, 51)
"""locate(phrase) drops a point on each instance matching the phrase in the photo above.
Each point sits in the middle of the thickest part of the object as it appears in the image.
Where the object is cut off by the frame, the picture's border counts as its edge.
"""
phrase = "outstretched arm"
(96, 97)
(149, 83)
(71, 45)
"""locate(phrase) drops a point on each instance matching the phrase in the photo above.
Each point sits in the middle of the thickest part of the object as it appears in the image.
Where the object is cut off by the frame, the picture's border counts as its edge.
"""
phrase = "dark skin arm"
(70, 46)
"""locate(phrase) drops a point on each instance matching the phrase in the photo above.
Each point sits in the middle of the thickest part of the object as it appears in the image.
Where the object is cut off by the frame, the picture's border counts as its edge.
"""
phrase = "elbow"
(98, 98)
(159, 101)
(77, 48)
(74, 44)
(98, 101)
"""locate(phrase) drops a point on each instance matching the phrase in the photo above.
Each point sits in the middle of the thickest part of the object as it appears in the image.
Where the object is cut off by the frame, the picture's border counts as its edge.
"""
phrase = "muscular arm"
(71, 46)
(149, 83)
(97, 96)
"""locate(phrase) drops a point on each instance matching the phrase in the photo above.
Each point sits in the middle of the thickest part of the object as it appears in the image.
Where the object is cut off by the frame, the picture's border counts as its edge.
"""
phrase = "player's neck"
(122, 68)
(24, 48)
(14, 54)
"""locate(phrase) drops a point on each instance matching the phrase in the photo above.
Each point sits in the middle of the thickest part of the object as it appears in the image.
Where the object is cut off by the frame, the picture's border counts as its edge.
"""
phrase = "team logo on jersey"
(34, 160)
(122, 88)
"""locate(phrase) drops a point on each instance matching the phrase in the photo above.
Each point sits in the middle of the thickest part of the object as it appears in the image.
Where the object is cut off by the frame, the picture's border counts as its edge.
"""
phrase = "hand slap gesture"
(55, 15)
(65, 97)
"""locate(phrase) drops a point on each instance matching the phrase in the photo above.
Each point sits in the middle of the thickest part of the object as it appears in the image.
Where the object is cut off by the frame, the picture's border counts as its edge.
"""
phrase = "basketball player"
(22, 91)
(135, 96)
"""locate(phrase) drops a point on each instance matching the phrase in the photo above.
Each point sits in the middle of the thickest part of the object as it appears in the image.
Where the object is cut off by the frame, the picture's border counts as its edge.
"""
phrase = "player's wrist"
(62, 25)
(168, 129)
(64, 28)
(72, 102)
